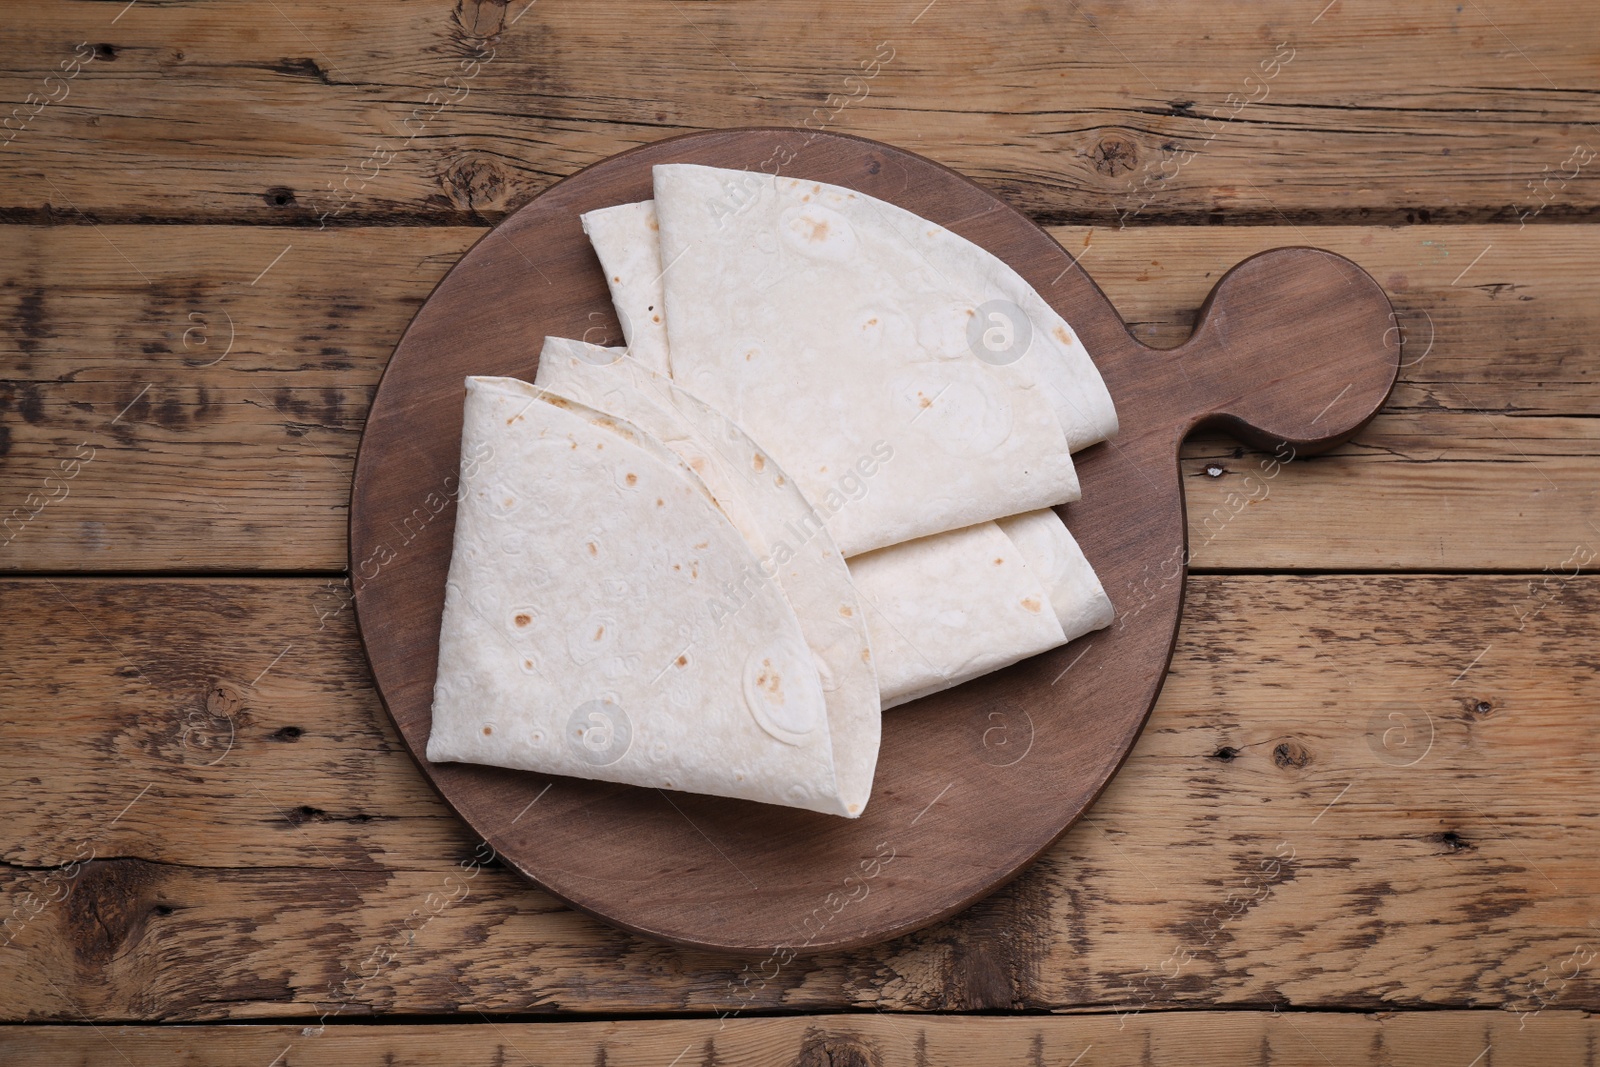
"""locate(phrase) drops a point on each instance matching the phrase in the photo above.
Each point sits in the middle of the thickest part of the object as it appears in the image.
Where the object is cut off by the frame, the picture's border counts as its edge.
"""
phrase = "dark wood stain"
(1500, 900)
(30, 321)
(108, 907)
(301, 67)
(993, 951)
(30, 403)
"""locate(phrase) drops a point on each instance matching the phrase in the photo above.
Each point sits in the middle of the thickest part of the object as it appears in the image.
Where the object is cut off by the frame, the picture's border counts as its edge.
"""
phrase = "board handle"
(1294, 346)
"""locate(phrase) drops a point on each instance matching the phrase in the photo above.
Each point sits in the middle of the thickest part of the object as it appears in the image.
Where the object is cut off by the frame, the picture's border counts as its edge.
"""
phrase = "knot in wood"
(1291, 754)
(1114, 155)
(822, 1049)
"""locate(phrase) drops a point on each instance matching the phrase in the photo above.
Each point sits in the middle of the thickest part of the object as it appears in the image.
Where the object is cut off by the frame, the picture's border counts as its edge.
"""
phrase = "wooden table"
(1361, 825)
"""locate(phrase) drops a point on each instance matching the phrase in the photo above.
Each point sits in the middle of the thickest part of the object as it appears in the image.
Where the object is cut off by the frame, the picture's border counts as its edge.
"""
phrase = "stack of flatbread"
(817, 483)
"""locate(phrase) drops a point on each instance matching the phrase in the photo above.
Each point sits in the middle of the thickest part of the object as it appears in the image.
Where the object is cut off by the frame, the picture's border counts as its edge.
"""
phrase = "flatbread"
(937, 610)
(838, 327)
(1076, 595)
(956, 605)
(585, 629)
(631, 234)
(792, 548)
(633, 274)
(610, 380)
(947, 608)
(951, 607)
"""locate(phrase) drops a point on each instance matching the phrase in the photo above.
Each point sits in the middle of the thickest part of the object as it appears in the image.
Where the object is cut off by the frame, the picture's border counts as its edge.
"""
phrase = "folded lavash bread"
(962, 603)
(585, 629)
(790, 543)
(941, 610)
(947, 608)
(829, 320)
(624, 239)
(628, 234)
(1076, 595)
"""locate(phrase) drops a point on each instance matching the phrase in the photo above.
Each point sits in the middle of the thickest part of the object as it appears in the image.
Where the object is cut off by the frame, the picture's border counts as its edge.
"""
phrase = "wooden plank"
(1283, 1039)
(451, 112)
(175, 367)
(1484, 458)
(1356, 791)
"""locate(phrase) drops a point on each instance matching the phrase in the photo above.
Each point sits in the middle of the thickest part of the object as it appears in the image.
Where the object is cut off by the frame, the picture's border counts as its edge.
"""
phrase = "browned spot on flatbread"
(866, 655)
(846, 611)
(770, 683)
(600, 631)
(1031, 603)
(1062, 335)
(523, 619)
(660, 503)
(487, 730)
(759, 461)
(632, 479)
(683, 661)
(594, 549)
(998, 560)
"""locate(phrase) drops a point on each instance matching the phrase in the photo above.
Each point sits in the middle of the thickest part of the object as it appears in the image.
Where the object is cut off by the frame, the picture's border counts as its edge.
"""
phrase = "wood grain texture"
(459, 112)
(285, 849)
(1296, 350)
(210, 466)
(1204, 1039)
(1276, 822)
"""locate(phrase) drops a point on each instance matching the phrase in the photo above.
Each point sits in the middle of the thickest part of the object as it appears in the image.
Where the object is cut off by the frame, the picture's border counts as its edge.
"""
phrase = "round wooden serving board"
(1296, 349)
